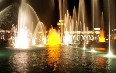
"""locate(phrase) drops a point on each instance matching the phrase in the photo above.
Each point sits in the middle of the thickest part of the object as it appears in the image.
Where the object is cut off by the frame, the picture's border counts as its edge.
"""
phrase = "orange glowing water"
(102, 49)
(53, 38)
(53, 57)
(102, 38)
(100, 62)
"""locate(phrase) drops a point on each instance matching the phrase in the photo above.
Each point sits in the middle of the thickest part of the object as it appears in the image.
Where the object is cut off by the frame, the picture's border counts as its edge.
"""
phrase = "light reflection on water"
(57, 59)
(53, 57)
(20, 62)
(100, 62)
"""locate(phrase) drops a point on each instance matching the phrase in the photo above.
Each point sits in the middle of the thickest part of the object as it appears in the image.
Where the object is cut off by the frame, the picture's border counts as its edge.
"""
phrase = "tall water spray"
(27, 21)
(84, 27)
(74, 20)
(61, 9)
(93, 20)
(65, 6)
(24, 35)
(81, 20)
(67, 39)
(93, 13)
(109, 48)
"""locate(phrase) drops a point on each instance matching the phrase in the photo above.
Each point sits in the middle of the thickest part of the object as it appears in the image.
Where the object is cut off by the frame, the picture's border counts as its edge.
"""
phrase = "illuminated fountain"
(74, 20)
(102, 42)
(39, 36)
(80, 24)
(28, 27)
(66, 39)
(24, 22)
(81, 16)
(53, 38)
(69, 25)
(62, 11)
(94, 6)
(67, 29)
(102, 38)
(53, 50)
(70, 28)
(109, 48)
(75, 27)
(93, 1)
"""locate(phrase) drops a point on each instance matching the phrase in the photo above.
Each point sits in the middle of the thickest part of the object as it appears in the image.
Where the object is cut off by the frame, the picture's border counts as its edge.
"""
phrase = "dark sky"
(4, 3)
(48, 10)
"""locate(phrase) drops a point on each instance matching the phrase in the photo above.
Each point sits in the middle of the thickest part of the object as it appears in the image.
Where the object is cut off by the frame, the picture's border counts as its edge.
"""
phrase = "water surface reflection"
(53, 57)
(56, 59)
(20, 62)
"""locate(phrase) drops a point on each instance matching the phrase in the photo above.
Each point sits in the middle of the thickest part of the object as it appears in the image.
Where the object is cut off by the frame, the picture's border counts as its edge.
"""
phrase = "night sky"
(48, 10)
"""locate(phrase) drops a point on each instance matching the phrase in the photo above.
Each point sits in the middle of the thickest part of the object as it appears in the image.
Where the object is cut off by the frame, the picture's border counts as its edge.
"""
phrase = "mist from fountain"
(28, 27)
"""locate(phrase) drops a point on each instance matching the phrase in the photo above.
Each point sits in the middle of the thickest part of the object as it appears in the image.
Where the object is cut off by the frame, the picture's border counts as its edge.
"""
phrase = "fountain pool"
(55, 59)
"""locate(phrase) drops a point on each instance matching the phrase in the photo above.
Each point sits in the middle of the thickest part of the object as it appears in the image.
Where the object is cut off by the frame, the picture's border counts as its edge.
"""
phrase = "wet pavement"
(55, 60)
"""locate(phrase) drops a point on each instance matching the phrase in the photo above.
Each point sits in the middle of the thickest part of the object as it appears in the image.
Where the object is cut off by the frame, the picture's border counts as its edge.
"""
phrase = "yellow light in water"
(102, 38)
(53, 38)
(53, 56)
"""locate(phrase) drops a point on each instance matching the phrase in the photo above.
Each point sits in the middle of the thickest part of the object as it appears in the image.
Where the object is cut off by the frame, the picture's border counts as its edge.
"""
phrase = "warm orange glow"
(101, 62)
(102, 49)
(53, 38)
(102, 38)
(53, 57)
